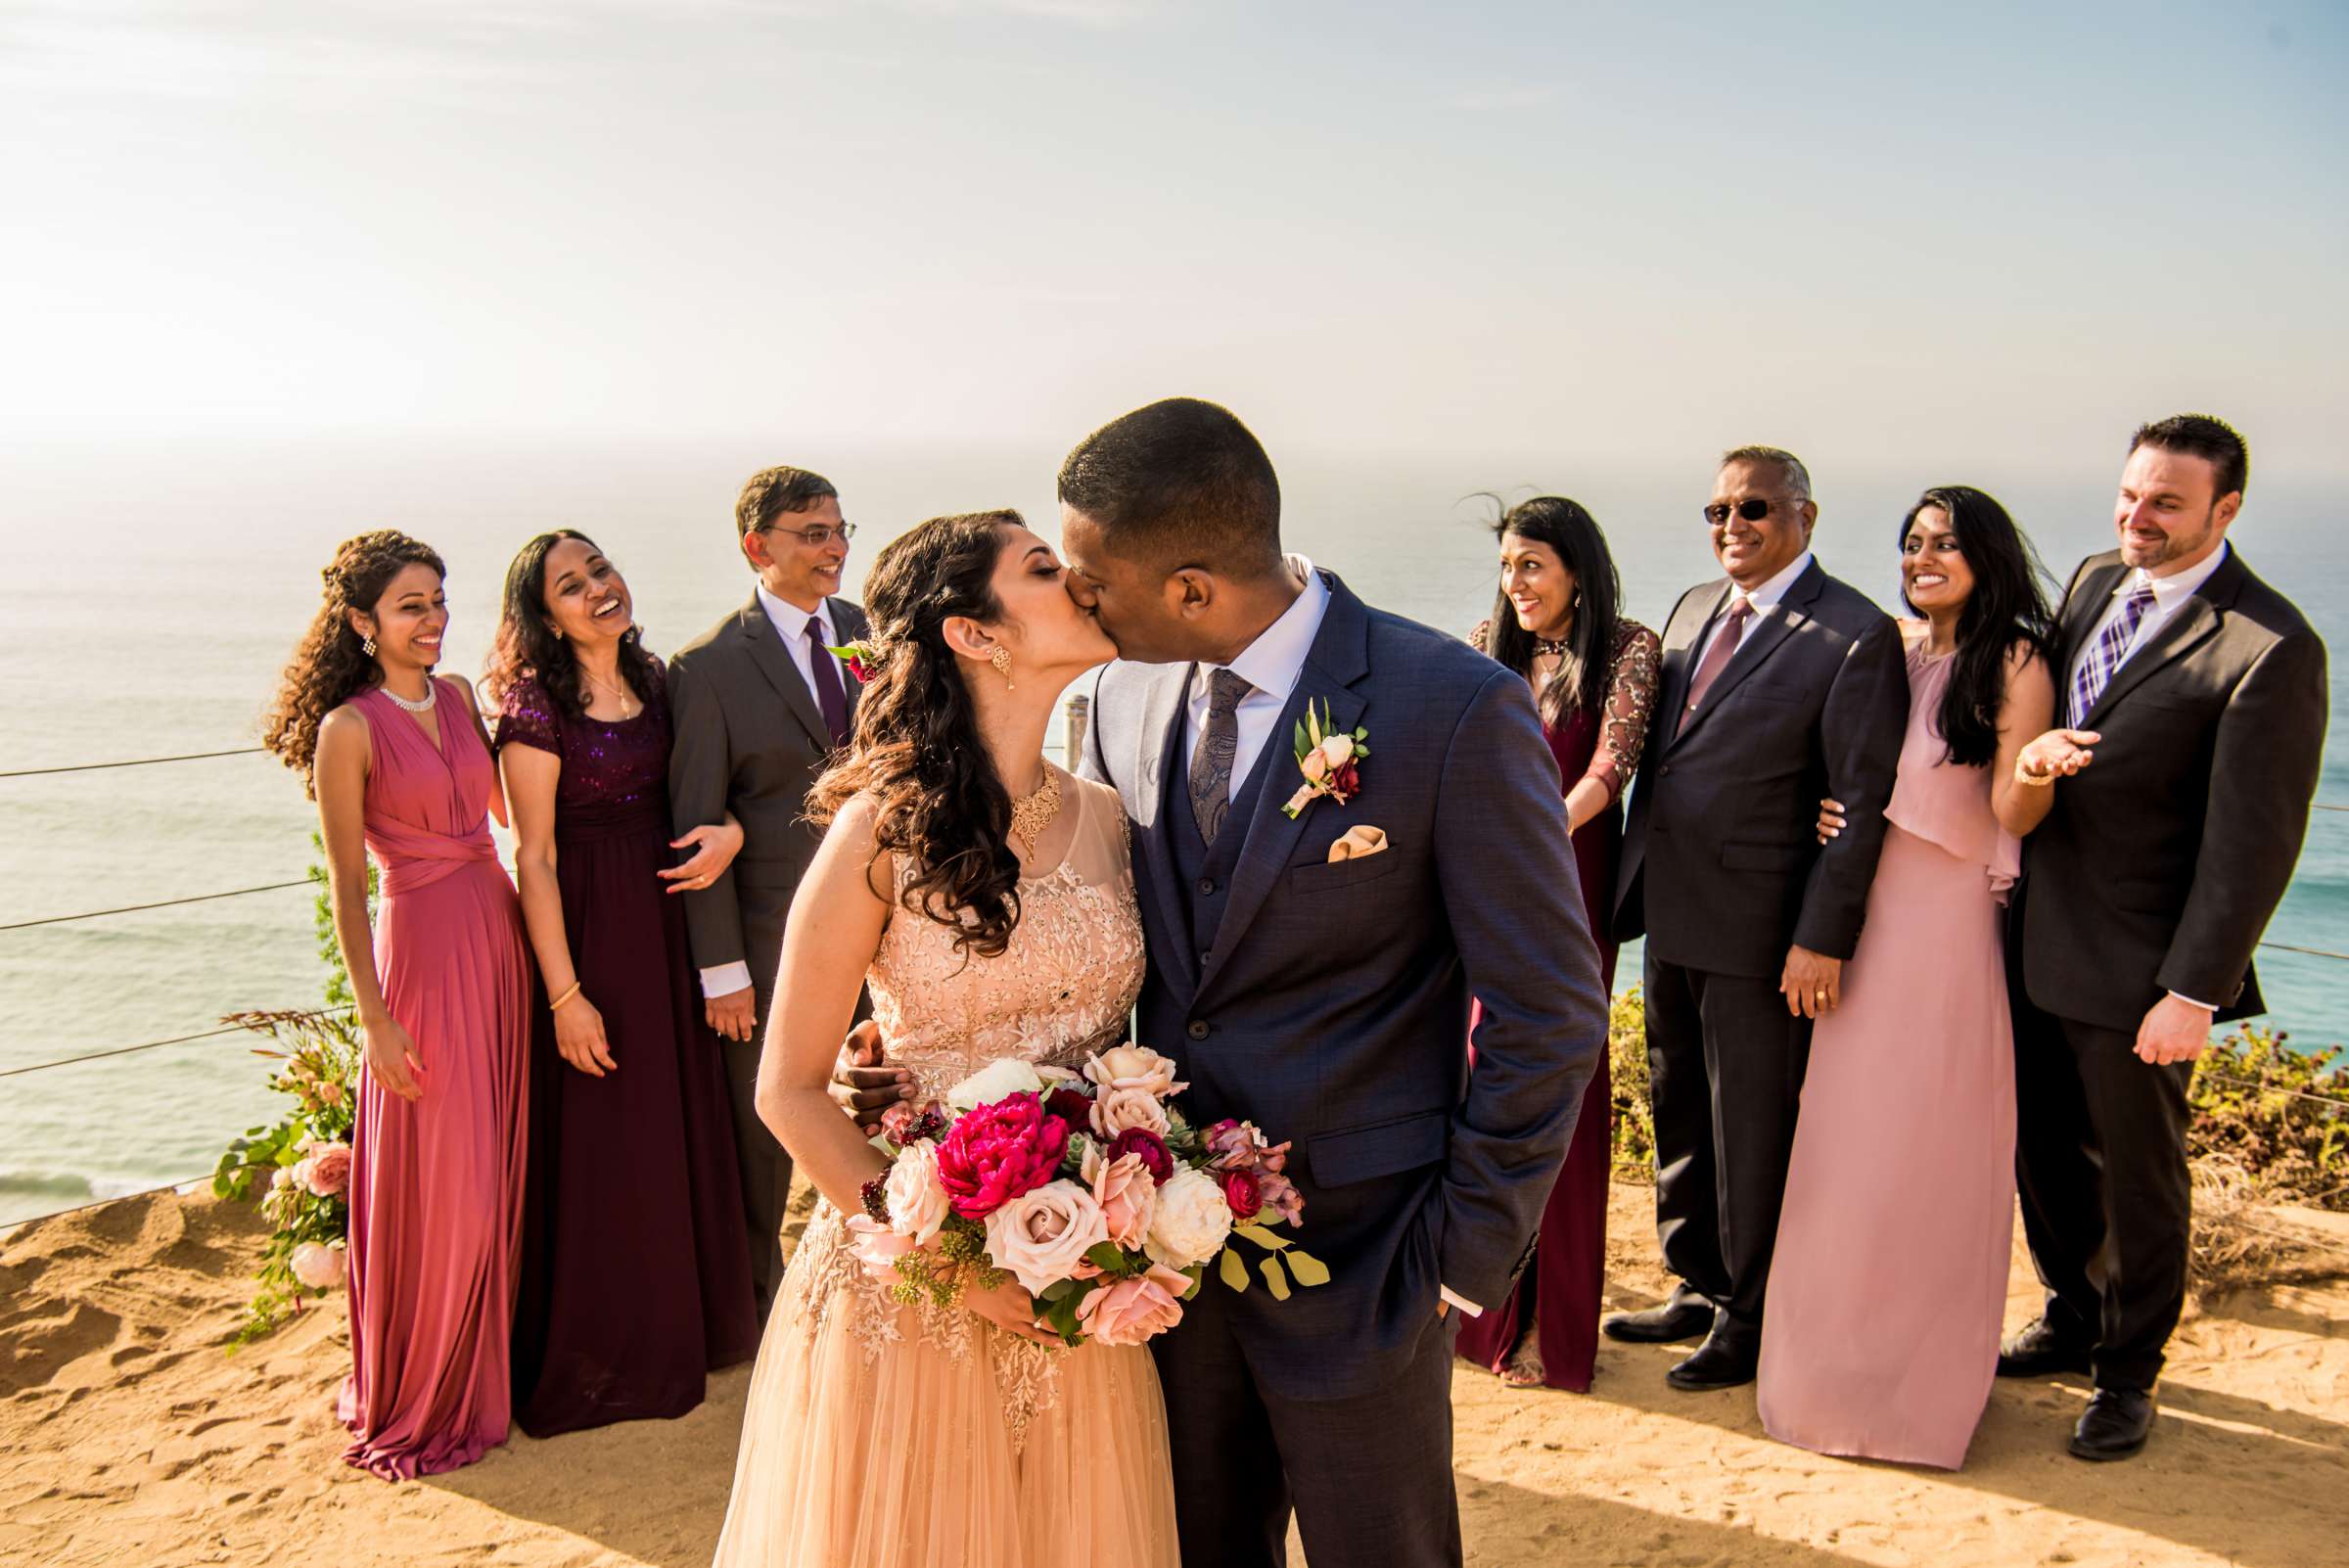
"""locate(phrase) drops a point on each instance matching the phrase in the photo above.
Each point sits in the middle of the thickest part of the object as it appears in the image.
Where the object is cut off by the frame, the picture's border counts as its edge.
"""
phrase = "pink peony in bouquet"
(1091, 1191)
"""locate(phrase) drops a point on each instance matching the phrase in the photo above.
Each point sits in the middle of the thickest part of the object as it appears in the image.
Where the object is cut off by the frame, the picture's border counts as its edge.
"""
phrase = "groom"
(1326, 999)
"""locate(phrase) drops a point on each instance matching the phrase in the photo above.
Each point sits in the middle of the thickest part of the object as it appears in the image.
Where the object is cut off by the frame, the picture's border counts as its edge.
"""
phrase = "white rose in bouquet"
(1190, 1223)
(998, 1080)
(917, 1204)
(1042, 1236)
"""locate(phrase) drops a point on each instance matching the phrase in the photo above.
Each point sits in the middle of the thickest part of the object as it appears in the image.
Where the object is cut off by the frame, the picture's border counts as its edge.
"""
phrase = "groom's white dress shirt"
(1271, 665)
(791, 624)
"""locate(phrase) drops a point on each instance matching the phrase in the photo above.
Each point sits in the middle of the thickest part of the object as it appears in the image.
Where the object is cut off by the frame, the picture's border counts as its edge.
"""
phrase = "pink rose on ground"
(1133, 1067)
(1128, 1312)
(317, 1265)
(327, 1169)
(996, 1152)
(876, 1246)
(1042, 1236)
(917, 1204)
(1120, 1109)
(1126, 1193)
(1243, 1194)
(1152, 1150)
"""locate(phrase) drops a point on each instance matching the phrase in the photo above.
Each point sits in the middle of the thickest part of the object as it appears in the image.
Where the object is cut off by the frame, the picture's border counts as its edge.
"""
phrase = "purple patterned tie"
(830, 695)
(2111, 647)
(1219, 749)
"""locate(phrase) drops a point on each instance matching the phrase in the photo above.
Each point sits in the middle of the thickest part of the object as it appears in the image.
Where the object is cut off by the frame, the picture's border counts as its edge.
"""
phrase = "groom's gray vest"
(1205, 871)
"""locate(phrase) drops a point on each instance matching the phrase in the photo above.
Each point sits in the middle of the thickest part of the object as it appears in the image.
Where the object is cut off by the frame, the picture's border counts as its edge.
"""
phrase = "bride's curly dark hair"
(916, 750)
(330, 666)
(527, 644)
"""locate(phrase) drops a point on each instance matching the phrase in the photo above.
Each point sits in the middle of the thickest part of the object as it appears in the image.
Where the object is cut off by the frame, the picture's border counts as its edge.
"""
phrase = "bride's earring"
(367, 644)
(1001, 660)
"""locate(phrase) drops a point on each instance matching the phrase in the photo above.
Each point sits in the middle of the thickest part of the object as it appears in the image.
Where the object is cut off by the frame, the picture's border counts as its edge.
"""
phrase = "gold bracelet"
(2031, 780)
(566, 997)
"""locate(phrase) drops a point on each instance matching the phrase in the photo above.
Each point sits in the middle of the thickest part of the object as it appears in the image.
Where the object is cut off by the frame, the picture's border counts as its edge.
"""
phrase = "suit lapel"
(2194, 621)
(1679, 664)
(2081, 609)
(1336, 666)
(1158, 739)
(1775, 626)
(766, 644)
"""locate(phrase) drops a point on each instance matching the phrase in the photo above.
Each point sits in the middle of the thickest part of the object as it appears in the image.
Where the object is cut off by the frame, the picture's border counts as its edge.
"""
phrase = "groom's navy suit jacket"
(1329, 1005)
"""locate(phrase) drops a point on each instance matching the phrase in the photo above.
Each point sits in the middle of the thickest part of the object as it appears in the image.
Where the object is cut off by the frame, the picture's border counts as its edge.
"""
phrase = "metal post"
(1072, 745)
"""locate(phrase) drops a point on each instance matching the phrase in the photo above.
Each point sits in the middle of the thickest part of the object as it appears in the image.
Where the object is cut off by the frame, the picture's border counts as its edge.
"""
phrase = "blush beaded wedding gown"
(886, 1434)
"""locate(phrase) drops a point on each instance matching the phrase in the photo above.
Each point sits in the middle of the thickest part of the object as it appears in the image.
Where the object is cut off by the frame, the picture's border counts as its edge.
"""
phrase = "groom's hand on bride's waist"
(860, 1085)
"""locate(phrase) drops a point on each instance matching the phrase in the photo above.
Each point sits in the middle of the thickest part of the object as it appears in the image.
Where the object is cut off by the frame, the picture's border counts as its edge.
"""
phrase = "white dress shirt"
(2170, 594)
(791, 624)
(1763, 599)
(1273, 665)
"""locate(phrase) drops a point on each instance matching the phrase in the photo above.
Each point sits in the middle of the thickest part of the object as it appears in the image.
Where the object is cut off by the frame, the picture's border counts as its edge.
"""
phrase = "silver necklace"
(431, 691)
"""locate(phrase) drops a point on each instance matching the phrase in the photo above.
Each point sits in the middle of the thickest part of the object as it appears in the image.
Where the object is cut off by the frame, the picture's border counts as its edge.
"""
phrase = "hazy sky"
(1392, 227)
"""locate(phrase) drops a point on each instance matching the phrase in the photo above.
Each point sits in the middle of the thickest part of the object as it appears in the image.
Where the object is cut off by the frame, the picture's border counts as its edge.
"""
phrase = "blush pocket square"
(1357, 843)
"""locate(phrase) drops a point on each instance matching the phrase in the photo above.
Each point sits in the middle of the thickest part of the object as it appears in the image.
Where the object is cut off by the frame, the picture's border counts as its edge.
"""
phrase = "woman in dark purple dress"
(1593, 676)
(635, 1275)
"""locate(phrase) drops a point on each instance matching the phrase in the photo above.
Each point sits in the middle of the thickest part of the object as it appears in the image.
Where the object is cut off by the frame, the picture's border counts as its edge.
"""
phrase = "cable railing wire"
(134, 762)
(161, 903)
(153, 1044)
(100, 1203)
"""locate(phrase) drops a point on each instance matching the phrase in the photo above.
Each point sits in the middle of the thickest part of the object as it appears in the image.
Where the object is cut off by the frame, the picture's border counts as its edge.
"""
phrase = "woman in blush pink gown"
(400, 767)
(1889, 1282)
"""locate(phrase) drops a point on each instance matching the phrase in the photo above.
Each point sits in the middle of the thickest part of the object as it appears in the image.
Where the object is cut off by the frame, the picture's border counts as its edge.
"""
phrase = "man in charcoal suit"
(1324, 994)
(1781, 686)
(760, 706)
(2199, 694)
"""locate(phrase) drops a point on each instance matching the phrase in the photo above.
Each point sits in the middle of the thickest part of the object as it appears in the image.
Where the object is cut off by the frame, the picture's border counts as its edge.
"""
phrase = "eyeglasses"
(1753, 509)
(819, 536)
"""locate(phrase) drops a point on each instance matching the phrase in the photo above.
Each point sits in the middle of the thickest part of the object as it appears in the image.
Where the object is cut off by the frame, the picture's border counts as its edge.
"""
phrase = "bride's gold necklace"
(1032, 815)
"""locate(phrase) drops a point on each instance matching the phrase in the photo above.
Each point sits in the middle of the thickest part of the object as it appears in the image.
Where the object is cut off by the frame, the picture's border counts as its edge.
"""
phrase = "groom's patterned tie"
(1218, 747)
(2096, 671)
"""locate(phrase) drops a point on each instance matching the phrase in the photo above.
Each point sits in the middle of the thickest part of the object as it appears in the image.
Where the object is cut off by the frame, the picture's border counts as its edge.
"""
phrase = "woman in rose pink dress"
(1889, 1281)
(399, 764)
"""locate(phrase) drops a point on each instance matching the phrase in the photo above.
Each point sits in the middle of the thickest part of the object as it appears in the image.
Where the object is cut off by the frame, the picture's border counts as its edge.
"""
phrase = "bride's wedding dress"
(884, 1435)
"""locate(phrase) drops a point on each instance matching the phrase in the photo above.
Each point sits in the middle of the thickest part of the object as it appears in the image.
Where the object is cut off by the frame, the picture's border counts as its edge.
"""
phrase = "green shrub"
(1634, 1153)
(2280, 1114)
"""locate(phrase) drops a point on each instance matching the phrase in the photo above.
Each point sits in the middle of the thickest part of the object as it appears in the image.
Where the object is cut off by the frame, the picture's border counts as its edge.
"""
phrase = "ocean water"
(154, 590)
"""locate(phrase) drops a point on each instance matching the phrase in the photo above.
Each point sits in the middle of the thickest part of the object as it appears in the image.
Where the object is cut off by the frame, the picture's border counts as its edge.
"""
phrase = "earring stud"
(1001, 660)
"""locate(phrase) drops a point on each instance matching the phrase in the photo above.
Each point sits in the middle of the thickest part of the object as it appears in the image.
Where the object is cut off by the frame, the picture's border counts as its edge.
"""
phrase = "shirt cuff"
(724, 980)
(2208, 1007)
(1461, 1303)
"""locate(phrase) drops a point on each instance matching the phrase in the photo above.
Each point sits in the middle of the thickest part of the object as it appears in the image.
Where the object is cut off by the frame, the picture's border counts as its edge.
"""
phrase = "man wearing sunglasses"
(1781, 686)
(759, 705)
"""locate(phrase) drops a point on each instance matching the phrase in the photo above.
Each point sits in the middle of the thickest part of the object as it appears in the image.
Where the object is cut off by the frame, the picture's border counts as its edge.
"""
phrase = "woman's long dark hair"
(2009, 605)
(917, 749)
(527, 644)
(1581, 683)
(331, 665)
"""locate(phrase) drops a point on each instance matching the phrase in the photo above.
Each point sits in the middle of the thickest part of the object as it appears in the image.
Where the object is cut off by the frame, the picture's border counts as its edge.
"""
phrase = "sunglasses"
(1753, 509)
(818, 536)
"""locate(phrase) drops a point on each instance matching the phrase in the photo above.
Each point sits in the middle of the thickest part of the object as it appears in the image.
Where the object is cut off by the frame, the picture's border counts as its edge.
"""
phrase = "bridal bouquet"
(1090, 1189)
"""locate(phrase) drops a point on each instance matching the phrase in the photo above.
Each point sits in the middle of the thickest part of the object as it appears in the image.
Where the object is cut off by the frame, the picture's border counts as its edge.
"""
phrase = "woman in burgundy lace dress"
(1593, 675)
(635, 1273)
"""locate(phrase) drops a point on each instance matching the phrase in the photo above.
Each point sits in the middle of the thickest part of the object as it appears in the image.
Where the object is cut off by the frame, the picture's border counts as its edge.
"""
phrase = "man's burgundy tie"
(1717, 655)
(830, 695)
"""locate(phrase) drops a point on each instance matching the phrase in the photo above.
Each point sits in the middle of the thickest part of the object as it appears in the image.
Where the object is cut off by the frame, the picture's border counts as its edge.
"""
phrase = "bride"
(986, 899)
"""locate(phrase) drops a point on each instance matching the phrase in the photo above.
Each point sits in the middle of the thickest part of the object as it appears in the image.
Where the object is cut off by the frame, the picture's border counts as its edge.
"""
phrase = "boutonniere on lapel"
(857, 657)
(1328, 760)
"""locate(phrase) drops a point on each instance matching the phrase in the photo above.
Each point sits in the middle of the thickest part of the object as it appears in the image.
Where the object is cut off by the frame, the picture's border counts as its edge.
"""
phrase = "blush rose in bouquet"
(1092, 1191)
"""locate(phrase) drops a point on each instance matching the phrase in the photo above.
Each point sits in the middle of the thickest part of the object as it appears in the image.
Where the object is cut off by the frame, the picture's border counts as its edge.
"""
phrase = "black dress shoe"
(1684, 1317)
(2115, 1424)
(1727, 1359)
(2040, 1349)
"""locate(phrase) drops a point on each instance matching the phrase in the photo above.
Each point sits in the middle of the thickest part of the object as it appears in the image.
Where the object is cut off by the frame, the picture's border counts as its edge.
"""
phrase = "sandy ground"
(127, 1437)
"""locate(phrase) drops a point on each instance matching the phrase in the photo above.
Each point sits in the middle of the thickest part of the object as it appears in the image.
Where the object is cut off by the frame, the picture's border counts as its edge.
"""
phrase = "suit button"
(1206, 958)
(1207, 883)
(1198, 1028)
(1665, 771)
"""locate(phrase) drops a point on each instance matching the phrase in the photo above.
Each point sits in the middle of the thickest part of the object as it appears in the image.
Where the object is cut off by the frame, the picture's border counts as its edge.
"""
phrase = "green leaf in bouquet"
(1275, 1280)
(1061, 1317)
(1303, 744)
(1195, 1273)
(1261, 1236)
(1234, 1271)
(1109, 1258)
(1057, 1289)
(1309, 1270)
